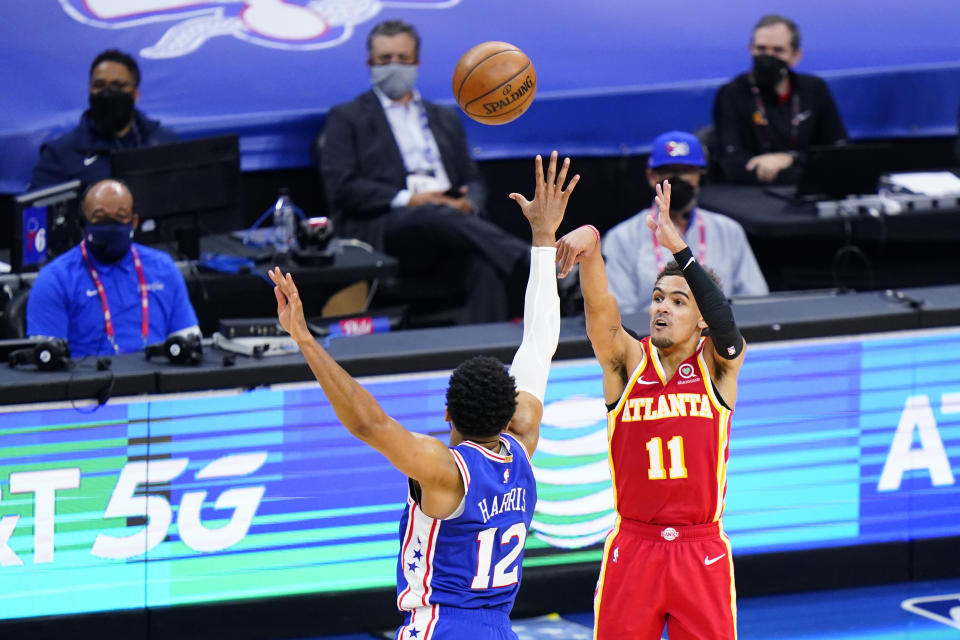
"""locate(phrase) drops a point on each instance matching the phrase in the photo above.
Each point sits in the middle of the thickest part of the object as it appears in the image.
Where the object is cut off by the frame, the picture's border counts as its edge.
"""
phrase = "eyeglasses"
(116, 85)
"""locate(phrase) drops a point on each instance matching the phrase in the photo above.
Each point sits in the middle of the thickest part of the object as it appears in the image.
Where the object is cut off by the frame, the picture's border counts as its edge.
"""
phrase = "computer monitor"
(833, 172)
(838, 171)
(851, 169)
(44, 225)
(190, 187)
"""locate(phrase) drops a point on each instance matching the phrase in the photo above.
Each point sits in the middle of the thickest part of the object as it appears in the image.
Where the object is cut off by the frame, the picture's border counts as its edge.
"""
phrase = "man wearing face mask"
(398, 174)
(109, 295)
(111, 122)
(633, 255)
(767, 118)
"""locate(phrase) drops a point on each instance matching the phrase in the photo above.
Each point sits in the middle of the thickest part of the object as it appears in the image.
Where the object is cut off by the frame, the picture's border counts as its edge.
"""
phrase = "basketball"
(494, 82)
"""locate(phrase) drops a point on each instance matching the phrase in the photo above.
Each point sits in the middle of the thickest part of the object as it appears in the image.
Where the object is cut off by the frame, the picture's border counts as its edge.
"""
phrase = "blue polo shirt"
(63, 302)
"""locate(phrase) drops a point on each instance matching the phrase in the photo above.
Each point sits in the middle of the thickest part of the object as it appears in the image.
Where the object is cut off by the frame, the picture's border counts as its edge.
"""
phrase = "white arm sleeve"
(541, 324)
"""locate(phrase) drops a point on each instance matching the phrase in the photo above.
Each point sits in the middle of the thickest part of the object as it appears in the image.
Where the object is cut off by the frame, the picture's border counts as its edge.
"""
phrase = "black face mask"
(111, 111)
(681, 195)
(768, 71)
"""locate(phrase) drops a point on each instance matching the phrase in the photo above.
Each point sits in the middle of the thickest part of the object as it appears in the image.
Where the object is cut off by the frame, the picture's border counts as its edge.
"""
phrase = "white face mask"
(394, 79)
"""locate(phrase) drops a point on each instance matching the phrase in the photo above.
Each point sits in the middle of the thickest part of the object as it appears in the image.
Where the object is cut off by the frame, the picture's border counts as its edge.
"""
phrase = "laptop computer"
(834, 172)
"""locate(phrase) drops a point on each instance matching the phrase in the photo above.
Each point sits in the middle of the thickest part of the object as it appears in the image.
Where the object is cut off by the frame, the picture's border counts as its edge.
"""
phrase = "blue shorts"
(440, 622)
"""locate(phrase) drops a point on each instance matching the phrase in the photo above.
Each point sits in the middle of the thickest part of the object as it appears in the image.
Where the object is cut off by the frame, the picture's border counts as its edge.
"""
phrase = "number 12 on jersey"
(501, 577)
(655, 449)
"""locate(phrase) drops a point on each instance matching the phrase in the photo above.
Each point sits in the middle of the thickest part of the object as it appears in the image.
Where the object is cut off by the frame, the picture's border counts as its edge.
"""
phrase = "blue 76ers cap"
(676, 147)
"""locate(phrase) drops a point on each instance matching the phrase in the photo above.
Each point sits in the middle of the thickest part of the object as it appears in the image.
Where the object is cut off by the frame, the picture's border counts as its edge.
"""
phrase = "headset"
(179, 349)
(49, 354)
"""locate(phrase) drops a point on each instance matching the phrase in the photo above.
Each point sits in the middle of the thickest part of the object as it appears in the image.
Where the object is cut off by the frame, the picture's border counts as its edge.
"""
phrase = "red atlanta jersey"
(669, 443)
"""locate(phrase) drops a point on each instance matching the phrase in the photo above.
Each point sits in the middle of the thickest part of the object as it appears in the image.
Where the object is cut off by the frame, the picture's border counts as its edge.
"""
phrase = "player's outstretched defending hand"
(662, 227)
(545, 211)
(289, 306)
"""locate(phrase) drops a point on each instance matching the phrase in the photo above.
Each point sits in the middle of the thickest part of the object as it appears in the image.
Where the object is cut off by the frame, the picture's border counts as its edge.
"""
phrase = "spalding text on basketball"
(510, 96)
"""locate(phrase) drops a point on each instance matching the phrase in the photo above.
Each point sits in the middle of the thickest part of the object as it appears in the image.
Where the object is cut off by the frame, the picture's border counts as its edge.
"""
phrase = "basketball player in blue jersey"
(470, 503)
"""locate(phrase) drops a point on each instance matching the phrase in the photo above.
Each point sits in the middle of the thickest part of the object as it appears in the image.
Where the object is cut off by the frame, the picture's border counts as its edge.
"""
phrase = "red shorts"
(654, 575)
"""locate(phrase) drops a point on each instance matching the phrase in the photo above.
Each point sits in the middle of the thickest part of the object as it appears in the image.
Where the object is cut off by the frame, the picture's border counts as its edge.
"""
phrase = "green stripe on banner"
(570, 492)
(67, 426)
(593, 555)
(567, 519)
(298, 516)
(76, 446)
(298, 537)
(546, 461)
(245, 575)
(365, 574)
(86, 465)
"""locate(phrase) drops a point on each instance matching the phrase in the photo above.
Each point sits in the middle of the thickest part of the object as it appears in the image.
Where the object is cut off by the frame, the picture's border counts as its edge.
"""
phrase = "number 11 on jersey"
(677, 467)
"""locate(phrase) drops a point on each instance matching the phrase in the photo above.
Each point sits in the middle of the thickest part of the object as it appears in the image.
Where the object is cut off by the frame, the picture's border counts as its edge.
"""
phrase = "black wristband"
(683, 257)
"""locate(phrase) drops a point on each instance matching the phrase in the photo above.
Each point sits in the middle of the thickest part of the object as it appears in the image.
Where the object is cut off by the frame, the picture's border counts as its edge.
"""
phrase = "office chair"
(15, 315)
(432, 300)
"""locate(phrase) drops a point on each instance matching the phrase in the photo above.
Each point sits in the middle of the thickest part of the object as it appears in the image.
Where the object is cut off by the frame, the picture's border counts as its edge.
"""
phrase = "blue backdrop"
(611, 74)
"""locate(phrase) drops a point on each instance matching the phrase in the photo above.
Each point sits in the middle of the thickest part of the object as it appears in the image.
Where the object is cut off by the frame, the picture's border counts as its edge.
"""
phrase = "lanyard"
(701, 250)
(427, 136)
(760, 116)
(107, 318)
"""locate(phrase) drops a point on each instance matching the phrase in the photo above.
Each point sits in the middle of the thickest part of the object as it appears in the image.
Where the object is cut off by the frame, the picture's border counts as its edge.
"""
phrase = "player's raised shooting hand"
(545, 211)
(289, 306)
(662, 226)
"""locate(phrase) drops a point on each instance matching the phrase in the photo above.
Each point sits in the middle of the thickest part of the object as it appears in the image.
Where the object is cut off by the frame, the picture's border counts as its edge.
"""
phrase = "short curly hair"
(481, 398)
(115, 55)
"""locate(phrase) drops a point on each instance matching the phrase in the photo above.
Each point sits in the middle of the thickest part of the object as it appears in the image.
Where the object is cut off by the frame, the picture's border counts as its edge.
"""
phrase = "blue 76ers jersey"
(472, 559)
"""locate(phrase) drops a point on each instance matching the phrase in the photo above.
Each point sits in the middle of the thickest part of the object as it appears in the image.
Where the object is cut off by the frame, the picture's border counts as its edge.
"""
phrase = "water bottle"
(284, 223)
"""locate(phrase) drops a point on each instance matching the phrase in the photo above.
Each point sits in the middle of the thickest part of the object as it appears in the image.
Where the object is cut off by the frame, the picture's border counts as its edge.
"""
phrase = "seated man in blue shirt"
(633, 256)
(110, 123)
(108, 295)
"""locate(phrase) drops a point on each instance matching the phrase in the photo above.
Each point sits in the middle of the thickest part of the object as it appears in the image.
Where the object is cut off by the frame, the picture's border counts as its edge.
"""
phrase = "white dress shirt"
(418, 147)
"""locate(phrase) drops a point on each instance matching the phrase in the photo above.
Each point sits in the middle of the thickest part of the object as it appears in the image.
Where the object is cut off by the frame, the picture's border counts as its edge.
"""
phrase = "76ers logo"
(677, 149)
(280, 24)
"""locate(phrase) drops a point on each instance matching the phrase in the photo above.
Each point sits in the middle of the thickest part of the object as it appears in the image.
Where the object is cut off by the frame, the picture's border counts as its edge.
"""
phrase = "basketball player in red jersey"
(670, 397)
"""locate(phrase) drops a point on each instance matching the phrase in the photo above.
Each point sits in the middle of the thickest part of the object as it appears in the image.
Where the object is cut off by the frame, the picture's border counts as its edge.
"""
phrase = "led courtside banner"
(262, 493)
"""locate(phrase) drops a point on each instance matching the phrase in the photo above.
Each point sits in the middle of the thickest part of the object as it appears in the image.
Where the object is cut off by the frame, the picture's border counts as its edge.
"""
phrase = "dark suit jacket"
(363, 169)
